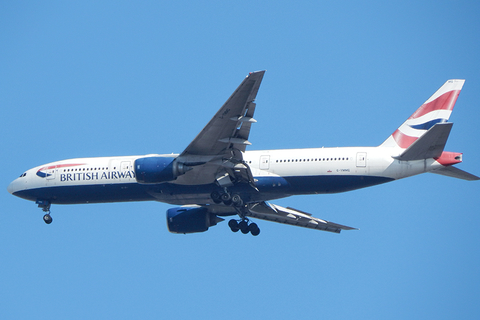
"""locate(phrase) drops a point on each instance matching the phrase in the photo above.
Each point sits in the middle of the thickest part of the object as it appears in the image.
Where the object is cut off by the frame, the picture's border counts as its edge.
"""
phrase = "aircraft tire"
(243, 225)
(216, 197)
(254, 229)
(233, 224)
(226, 197)
(237, 200)
(47, 218)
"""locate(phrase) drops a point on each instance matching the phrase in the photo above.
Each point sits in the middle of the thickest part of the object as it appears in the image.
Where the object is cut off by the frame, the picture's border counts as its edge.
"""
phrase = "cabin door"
(264, 162)
(361, 159)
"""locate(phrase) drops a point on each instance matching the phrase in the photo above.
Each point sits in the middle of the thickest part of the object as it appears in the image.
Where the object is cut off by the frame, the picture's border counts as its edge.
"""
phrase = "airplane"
(215, 177)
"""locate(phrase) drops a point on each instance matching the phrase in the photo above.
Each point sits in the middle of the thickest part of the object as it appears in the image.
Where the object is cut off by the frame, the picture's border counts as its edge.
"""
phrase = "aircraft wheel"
(243, 225)
(216, 197)
(237, 200)
(254, 229)
(47, 218)
(233, 224)
(226, 197)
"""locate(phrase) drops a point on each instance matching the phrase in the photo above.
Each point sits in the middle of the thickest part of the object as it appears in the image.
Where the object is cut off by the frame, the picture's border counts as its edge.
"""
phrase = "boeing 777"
(215, 177)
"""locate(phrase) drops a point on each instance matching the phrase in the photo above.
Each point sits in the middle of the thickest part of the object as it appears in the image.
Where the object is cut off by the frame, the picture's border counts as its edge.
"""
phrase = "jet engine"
(190, 219)
(150, 170)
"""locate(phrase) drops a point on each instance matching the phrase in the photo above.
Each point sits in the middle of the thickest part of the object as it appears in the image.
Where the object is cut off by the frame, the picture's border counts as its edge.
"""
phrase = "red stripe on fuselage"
(61, 166)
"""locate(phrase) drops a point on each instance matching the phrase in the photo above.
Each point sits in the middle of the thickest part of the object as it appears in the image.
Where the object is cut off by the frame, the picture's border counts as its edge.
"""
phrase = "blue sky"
(83, 79)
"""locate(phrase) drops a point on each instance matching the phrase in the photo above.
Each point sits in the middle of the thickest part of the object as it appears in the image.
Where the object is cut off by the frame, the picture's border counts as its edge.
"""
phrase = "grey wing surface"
(216, 152)
(231, 124)
(272, 212)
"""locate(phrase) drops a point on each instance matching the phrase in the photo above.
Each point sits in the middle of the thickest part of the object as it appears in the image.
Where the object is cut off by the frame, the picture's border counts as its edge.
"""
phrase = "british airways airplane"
(215, 177)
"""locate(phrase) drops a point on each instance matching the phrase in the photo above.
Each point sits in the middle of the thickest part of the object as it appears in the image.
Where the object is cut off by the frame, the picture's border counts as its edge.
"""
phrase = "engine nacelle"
(190, 219)
(150, 170)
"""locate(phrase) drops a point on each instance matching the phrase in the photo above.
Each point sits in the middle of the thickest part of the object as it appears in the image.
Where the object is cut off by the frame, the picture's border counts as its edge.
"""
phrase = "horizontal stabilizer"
(456, 173)
(430, 145)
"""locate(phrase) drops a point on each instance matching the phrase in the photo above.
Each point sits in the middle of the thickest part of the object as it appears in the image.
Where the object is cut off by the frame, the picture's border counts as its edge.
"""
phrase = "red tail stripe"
(402, 139)
(445, 102)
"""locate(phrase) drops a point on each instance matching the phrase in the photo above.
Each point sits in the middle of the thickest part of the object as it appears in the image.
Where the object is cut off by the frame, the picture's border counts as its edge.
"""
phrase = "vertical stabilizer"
(437, 109)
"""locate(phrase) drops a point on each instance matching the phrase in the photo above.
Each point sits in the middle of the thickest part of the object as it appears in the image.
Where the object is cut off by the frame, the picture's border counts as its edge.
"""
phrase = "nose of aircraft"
(13, 186)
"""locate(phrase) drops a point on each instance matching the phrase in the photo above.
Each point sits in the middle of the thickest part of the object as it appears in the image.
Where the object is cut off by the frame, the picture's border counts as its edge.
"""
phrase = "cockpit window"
(23, 175)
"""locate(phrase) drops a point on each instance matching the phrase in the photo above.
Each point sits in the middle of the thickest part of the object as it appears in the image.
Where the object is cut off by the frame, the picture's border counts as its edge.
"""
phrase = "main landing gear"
(45, 205)
(244, 226)
(227, 198)
(236, 201)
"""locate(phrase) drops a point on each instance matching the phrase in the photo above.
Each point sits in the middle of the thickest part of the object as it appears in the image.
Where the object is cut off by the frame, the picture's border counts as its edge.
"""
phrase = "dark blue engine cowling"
(158, 169)
(190, 219)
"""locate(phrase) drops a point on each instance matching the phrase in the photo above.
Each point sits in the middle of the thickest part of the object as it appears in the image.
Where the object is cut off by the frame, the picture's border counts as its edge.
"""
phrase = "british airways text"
(85, 176)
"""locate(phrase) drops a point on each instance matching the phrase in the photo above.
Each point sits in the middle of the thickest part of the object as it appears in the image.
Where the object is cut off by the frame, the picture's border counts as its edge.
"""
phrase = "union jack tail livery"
(437, 109)
(424, 135)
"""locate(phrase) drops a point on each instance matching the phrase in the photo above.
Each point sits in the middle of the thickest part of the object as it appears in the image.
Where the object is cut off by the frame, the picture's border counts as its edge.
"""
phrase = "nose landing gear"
(45, 205)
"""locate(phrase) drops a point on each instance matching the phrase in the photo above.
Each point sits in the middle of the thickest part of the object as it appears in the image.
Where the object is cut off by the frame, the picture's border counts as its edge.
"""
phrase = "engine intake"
(190, 219)
(151, 170)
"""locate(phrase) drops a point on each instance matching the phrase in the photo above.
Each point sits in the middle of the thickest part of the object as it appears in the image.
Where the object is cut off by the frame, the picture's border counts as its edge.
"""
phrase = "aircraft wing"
(272, 212)
(216, 152)
(230, 127)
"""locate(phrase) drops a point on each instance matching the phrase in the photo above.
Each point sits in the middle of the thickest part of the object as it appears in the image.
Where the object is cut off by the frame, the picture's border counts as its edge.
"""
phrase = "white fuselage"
(277, 173)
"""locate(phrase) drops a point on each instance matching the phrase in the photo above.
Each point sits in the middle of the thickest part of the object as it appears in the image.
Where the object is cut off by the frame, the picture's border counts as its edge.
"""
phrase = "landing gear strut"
(244, 226)
(45, 205)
